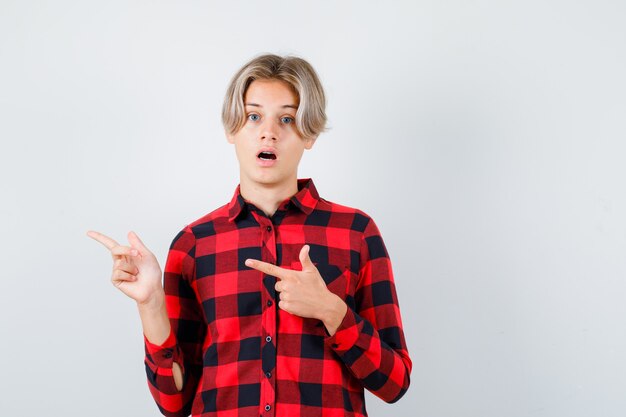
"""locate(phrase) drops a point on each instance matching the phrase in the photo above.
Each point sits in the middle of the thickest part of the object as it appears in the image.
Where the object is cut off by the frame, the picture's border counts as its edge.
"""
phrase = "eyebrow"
(284, 105)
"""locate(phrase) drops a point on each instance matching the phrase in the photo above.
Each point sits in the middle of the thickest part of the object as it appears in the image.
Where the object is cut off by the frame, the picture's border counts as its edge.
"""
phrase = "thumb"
(305, 260)
(135, 242)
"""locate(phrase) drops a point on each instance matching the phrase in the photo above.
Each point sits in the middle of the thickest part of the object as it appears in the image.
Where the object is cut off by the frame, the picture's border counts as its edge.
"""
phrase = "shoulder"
(357, 219)
(218, 215)
(204, 225)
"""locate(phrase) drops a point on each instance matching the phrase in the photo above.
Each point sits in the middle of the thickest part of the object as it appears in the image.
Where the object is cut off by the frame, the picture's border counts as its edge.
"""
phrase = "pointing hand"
(136, 271)
(304, 293)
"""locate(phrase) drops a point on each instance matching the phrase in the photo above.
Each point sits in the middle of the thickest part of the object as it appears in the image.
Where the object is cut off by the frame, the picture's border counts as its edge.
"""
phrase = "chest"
(236, 296)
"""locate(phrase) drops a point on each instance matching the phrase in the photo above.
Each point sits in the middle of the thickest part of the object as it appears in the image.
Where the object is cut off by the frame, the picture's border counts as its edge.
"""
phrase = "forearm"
(156, 328)
(384, 369)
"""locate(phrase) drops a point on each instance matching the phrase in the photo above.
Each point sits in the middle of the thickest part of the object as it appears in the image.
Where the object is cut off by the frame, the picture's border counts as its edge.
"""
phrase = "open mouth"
(266, 156)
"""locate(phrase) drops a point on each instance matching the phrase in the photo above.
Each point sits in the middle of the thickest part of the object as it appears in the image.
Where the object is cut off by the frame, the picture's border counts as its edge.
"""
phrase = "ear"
(230, 138)
(308, 144)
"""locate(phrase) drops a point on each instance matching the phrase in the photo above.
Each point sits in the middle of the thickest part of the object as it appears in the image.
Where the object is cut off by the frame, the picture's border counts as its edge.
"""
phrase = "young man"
(279, 303)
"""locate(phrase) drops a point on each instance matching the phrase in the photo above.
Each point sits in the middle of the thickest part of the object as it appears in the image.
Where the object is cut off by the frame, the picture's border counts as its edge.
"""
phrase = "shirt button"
(268, 339)
(268, 374)
(268, 407)
(269, 303)
(269, 228)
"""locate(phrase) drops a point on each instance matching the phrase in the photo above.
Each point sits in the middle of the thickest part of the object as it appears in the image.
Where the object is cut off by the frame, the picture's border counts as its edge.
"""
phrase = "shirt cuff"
(346, 335)
(164, 354)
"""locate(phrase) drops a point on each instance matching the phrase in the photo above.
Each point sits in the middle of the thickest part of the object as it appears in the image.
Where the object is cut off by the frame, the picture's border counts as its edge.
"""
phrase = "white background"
(486, 139)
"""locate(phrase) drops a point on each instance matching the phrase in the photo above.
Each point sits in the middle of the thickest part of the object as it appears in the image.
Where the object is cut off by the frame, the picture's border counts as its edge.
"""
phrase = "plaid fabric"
(243, 356)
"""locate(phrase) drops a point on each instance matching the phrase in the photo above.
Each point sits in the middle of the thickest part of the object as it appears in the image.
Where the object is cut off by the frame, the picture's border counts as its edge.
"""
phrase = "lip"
(266, 162)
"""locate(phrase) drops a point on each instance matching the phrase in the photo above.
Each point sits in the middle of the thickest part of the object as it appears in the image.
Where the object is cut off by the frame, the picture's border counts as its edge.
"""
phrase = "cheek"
(240, 151)
(243, 146)
(297, 156)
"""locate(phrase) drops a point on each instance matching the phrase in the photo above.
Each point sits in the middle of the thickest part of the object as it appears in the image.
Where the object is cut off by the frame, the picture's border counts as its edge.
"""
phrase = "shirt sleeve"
(188, 329)
(370, 339)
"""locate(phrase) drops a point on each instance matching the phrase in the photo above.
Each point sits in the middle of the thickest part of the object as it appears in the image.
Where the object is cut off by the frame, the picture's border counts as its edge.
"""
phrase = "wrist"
(334, 314)
(154, 302)
(154, 319)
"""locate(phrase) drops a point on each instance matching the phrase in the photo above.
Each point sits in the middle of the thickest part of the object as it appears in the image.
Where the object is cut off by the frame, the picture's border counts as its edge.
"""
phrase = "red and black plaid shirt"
(243, 356)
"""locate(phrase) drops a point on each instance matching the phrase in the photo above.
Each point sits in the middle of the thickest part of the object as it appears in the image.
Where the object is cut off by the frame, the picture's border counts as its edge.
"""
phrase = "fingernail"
(248, 262)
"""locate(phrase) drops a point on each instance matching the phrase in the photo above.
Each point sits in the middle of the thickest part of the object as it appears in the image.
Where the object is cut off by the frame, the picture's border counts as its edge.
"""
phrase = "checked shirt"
(242, 355)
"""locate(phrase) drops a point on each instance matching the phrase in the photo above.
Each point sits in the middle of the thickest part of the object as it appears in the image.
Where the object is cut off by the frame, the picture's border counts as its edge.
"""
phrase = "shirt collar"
(305, 199)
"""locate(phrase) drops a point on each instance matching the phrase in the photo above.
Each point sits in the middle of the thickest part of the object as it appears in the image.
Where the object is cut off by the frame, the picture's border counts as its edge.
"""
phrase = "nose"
(269, 130)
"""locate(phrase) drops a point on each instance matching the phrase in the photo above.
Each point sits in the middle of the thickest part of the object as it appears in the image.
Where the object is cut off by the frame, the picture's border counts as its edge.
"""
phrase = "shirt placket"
(269, 332)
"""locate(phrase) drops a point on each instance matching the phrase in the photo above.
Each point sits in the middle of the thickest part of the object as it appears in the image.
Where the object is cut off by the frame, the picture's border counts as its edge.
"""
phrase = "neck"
(267, 197)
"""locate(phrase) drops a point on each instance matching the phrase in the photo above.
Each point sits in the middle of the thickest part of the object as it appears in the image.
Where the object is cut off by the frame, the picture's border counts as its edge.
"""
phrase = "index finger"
(105, 240)
(268, 268)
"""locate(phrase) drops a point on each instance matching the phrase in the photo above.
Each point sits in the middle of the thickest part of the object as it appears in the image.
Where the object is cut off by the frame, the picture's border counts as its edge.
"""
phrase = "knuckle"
(120, 274)
(120, 249)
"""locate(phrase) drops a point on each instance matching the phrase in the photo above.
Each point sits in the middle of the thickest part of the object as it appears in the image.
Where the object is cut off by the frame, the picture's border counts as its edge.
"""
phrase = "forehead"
(271, 93)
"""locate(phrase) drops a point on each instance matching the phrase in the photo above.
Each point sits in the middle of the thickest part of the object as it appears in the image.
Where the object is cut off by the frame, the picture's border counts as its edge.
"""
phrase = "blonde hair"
(298, 73)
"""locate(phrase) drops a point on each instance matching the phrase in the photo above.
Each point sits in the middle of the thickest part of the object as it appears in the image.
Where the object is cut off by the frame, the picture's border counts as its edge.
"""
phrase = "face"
(268, 146)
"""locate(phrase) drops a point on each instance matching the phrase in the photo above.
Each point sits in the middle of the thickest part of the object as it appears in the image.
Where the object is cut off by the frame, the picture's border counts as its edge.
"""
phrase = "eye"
(286, 119)
(253, 117)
